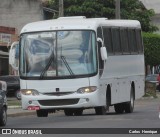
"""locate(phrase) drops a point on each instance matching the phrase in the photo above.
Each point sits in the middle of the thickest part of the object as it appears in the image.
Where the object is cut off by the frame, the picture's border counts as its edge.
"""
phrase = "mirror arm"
(100, 40)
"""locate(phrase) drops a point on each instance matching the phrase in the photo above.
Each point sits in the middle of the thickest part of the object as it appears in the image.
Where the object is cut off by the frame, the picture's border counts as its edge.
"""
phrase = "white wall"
(17, 13)
(152, 4)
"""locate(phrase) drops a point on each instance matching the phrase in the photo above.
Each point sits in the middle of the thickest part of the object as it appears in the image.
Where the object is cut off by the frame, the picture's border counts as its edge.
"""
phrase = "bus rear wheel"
(42, 113)
(119, 108)
(129, 106)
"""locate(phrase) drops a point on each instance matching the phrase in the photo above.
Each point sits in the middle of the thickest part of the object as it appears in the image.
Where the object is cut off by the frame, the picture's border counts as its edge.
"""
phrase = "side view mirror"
(13, 57)
(103, 49)
(104, 53)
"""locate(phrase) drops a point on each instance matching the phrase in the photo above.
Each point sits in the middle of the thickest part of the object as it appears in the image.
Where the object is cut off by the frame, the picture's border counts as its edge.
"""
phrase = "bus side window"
(116, 40)
(108, 39)
(132, 41)
(124, 40)
(139, 40)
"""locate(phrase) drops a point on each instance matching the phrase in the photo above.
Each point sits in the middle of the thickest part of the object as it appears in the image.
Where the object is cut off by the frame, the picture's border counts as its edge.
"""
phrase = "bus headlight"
(87, 89)
(29, 92)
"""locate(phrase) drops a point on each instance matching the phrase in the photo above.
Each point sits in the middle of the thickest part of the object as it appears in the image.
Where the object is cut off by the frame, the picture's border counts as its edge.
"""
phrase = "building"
(14, 14)
(7, 35)
(17, 13)
(154, 4)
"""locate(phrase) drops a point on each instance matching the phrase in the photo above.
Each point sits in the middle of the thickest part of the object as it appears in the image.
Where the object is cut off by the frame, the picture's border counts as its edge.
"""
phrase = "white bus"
(75, 63)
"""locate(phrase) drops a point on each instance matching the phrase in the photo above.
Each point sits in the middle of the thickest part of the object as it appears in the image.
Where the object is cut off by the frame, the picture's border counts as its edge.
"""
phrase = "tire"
(100, 110)
(68, 112)
(78, 112)
(42, 113)
(18, 94)
(3, 116)
(129, 106)
(119, 108)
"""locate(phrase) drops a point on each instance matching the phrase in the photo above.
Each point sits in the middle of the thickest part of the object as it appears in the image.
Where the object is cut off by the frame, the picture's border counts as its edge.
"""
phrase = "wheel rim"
(132, 99)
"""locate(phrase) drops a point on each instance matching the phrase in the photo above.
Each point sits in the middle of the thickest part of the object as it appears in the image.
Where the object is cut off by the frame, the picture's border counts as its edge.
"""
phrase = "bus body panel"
(119, 72)
(68, 85)
(62, 85)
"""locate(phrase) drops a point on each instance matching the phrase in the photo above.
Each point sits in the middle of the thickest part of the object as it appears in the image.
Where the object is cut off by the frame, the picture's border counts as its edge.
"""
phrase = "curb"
(21, 114)
(13, 107)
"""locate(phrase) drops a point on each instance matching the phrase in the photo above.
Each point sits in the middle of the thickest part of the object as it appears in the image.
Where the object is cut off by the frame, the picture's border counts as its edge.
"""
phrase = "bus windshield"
(58, 54)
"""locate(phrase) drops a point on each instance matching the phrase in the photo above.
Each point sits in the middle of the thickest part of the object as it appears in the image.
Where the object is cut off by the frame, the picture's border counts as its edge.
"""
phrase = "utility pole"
(118, 9)
(61, 10)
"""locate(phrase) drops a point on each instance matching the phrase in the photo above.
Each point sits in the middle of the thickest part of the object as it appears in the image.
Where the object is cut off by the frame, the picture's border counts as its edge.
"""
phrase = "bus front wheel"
(78, 112)
(68, 112)
(75, 112)
(100, 110)
(42, 113)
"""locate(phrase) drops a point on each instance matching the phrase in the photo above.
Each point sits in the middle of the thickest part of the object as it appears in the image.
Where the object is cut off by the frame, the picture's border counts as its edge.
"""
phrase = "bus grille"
(58, 93)
(58, 102)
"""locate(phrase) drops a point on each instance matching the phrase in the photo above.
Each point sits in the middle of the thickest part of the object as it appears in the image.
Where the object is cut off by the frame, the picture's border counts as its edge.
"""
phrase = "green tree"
(130, 9)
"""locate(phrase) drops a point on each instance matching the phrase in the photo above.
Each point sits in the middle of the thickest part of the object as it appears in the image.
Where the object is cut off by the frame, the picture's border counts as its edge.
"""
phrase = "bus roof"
(74, 23)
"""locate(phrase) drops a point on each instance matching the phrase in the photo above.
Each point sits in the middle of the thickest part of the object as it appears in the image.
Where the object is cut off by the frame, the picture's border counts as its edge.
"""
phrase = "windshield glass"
(58, 54)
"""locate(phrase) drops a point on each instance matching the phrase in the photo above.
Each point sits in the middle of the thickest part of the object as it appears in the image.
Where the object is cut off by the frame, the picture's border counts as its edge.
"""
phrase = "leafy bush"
(151, 48)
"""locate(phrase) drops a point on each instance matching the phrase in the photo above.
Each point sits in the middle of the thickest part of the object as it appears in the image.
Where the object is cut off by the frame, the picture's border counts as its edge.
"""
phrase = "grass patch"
(150, 90)
(14, 103)
(150, 94)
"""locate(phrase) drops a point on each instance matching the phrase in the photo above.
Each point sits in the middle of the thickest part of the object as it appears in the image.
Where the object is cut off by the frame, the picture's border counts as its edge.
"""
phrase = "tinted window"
(120, 40)
(108, 39)
(132, 40)
(124, 40)
(139, 40)
(116, 40)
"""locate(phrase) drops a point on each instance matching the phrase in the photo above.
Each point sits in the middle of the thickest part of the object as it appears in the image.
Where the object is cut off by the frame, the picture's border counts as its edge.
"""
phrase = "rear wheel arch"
(133, 88)
(129, 106)
(108, 94)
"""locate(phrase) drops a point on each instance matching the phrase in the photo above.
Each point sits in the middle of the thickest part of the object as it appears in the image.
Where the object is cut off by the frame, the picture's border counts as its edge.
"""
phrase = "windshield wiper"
(67, 65)
(47, 66)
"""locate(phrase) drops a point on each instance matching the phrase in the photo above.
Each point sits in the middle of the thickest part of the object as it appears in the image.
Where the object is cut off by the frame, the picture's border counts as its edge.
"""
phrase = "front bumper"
(74, 100)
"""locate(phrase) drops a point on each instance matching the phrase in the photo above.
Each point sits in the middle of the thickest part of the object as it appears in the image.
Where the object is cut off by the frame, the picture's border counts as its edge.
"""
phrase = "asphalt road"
(146, 115)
